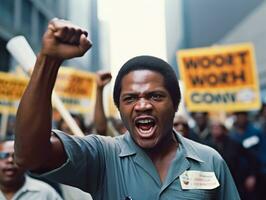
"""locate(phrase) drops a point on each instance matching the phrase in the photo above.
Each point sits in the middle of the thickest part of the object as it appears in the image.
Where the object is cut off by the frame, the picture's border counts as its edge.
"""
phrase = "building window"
(42, 25)
(7, 13)
(26, 17)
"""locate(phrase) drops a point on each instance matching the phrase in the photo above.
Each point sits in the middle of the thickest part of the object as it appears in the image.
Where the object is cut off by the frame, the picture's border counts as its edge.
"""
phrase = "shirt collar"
(29, 185)
(188, 146)
(128, 146)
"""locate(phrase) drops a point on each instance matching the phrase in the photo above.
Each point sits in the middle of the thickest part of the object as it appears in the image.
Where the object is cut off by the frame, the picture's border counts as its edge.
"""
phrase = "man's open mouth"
(145, 126)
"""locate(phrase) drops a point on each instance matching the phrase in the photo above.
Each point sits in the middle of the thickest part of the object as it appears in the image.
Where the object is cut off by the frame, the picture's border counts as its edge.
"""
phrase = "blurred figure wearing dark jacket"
(181, 126)
(202, 126)
(242, 164)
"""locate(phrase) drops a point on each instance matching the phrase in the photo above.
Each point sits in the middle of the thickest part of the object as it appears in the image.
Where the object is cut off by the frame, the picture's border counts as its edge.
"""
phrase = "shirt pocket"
(197, 194)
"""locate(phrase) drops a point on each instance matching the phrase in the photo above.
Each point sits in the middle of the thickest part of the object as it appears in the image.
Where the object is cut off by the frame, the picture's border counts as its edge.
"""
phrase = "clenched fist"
(103, 78)
(64, 40)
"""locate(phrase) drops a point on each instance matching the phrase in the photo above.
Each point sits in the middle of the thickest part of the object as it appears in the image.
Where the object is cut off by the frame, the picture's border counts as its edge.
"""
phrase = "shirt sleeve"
(228, 190)
(84, 167)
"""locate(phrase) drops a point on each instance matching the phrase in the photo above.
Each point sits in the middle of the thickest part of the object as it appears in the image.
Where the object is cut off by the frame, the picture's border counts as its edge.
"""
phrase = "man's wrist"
(99, 88)
(52, 61)
(44, 55)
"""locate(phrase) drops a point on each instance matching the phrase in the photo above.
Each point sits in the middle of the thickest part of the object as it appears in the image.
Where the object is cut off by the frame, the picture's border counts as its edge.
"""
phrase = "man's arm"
(35, 149)
(100, 121)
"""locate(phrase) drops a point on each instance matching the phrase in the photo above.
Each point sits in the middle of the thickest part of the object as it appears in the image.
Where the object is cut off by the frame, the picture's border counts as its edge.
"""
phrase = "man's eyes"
(156, 97)
(129, 99)
(152, 97)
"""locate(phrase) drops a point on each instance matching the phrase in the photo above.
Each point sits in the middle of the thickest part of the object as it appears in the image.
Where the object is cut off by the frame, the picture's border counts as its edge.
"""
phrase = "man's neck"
(163, 155)
(167, 145)
(10, 191)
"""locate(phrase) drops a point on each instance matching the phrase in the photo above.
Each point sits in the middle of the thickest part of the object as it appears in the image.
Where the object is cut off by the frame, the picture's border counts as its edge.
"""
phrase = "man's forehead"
(147, 81)
(140, 74)
(139, 70)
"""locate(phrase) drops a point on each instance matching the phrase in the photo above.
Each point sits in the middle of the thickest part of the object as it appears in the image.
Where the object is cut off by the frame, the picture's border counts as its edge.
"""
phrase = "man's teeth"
(145, 121)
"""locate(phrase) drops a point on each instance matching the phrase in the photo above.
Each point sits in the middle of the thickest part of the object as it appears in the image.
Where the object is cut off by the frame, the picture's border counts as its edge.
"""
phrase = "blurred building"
(252, 29)
(85, 14)
(28, 18)
(191, 23)
(207, 21)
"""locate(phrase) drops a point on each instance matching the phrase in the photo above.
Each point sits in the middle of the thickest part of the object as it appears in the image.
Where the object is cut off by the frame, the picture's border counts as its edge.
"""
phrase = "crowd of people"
(242, 145)
(151, 152)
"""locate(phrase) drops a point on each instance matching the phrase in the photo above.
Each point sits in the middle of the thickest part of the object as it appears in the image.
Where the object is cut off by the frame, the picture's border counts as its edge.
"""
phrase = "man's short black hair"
(153, 64)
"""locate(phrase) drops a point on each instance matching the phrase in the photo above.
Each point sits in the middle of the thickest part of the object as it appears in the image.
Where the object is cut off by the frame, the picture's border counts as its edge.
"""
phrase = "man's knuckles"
(85, 43)
(66, 31)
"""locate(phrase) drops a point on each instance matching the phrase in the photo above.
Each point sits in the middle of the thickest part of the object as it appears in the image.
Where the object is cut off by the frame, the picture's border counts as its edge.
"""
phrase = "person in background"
(73, 193)
(246, 134)
(261, 124)
(11, 124)
(181, 126)
(261, 117)
(110, 126)
(100, 119)
(10, 136)
(202, 126)
(62, 125)
(149, 161)
(117, 125)
(244, 131)
(234, 154)
(15, 184)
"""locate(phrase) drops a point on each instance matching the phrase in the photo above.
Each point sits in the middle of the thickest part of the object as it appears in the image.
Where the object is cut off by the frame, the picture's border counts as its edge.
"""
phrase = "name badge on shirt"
(198, 180)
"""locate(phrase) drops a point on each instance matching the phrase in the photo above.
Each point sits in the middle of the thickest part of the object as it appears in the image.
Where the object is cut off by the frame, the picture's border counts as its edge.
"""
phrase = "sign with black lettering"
(11, 89)
(220, 78)
(76, 89)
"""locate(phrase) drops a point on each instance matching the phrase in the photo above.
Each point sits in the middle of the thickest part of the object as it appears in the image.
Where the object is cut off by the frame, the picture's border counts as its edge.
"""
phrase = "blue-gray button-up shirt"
(117, 169)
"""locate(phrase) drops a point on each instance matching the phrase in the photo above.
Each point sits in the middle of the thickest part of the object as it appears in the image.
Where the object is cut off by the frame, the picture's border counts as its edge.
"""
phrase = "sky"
(136, 28)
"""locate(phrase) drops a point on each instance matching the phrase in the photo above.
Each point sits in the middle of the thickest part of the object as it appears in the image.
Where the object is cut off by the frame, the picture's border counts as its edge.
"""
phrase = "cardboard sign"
(76, 89)
(220, 78)
(11, 89)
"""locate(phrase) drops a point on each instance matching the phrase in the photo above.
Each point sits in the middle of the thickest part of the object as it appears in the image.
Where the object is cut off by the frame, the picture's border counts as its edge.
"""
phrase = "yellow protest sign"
(11, 89)
(220, 78)
(112, 109)
(76, 88)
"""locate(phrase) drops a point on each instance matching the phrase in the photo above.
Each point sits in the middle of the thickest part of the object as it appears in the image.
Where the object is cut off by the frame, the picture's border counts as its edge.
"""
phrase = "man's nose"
(143, 104)
(10, 157)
